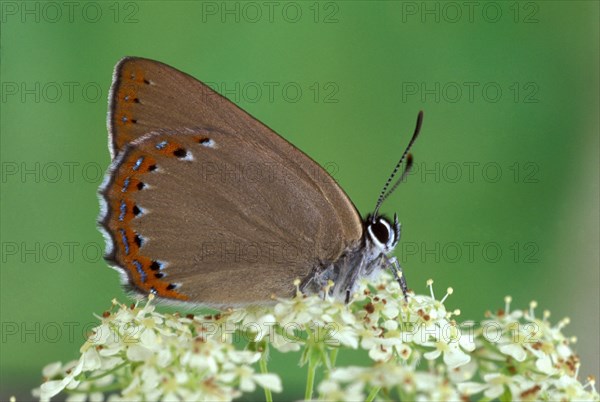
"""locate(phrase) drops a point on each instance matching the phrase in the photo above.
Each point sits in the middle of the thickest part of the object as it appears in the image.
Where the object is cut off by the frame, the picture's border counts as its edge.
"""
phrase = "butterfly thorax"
(365, 260)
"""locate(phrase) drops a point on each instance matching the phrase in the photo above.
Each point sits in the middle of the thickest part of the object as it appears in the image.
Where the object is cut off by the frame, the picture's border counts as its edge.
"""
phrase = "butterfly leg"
(394, 265)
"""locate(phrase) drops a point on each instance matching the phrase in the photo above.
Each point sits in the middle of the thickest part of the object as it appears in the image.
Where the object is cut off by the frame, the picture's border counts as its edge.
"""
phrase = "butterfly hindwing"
(214, 218)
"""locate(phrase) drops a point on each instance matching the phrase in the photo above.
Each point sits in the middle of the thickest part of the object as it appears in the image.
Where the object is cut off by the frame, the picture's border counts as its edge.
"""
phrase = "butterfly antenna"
(405, 172)
(384, 193)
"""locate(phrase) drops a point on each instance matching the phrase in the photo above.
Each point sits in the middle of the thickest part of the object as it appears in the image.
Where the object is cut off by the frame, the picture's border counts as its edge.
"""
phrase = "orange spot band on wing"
(145, 272)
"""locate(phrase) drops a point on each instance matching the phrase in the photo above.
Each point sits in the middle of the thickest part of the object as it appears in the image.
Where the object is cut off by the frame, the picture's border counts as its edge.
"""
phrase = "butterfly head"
(383, 233)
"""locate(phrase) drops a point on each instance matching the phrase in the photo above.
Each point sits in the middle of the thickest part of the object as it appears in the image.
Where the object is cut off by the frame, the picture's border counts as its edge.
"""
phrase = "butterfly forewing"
(147, 95)
(204, 203)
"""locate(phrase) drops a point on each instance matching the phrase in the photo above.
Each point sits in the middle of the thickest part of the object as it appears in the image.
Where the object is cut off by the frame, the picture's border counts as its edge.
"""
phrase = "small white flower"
(333, 391)
(452, 354)
(513, 350)
(52, 388)
(299, 310)
(495, 384)
(269, 381)
(286, 342)
(471, 388)
(51, 370)
(463, 372)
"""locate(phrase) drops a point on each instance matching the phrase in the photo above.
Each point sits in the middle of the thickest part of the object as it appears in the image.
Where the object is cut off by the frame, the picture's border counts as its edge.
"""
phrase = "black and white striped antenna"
(409, 160)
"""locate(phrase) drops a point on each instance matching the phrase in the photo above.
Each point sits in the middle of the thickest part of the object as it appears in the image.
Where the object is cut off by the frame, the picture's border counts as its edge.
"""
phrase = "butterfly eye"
(381, 231)
(382, 234)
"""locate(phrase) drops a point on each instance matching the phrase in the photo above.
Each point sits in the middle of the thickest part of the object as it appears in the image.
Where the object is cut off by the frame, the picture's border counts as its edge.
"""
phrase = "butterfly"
(184, 220)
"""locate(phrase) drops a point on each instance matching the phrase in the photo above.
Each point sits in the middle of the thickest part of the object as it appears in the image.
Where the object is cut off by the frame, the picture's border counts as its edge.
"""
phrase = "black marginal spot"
(206, 142)
(171, 286)
(136, 210)
(180, 153)
(134, 121)
(159, 275)
(136, 100)
(151, 168)
(146, 82)
(155, 266)
(138, 240)
(140, 185)
(153, 290)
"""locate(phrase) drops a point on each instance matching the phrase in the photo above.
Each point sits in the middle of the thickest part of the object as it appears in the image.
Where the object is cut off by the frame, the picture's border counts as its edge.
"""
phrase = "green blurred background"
(507, 161)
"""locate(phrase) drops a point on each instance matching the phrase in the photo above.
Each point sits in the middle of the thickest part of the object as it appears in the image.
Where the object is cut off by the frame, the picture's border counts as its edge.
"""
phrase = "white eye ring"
(389, 245)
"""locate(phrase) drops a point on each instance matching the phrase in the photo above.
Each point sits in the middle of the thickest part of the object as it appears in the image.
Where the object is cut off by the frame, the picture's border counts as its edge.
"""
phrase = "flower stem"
(333, 357)
(372, 394)
(104, 389)
(331, 366)
(113, 370)
(310, 380)
(264, 370)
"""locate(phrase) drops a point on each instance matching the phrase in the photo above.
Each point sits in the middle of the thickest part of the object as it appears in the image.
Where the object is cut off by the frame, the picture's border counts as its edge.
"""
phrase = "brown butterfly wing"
(147, 95)
(220, 219)
(301, 210)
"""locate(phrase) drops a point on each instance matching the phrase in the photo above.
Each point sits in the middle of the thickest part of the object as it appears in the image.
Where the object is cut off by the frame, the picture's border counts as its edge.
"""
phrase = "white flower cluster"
(527, 358)
(416, 351)
(147, 356)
